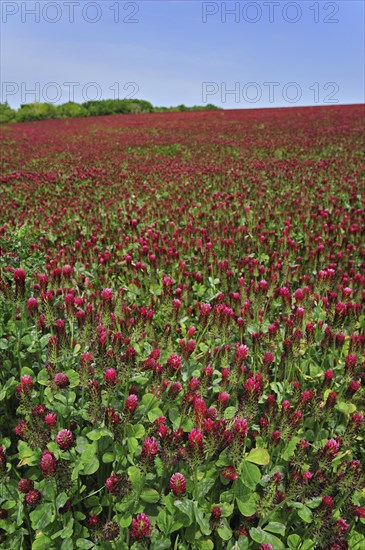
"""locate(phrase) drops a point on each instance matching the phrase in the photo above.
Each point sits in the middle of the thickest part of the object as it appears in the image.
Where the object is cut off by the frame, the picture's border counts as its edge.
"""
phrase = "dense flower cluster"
(182, 331)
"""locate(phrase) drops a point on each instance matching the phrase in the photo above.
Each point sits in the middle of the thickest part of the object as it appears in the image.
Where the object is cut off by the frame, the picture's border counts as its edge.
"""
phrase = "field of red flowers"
(182, 331)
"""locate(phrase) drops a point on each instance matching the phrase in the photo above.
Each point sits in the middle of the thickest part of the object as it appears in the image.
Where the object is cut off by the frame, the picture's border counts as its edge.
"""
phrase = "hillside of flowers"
(182, 331)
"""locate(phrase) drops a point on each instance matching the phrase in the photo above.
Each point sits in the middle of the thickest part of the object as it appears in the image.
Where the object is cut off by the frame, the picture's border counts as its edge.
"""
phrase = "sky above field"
(237, 55)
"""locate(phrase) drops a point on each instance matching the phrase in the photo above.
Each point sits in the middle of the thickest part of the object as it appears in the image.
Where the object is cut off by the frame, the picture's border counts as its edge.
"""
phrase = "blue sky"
(246, 54)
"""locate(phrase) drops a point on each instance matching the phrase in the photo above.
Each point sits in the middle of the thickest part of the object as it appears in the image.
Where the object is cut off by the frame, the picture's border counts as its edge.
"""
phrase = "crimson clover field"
(182, 331)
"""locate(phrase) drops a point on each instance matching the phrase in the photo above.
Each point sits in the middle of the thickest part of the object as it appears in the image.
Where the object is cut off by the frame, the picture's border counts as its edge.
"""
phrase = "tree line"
(42, 111)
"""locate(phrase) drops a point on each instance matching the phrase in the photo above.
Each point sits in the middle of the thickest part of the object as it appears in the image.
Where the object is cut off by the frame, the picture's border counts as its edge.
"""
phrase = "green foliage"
(7, 114)
(41, 111)
(36, 111)
(70, 110)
